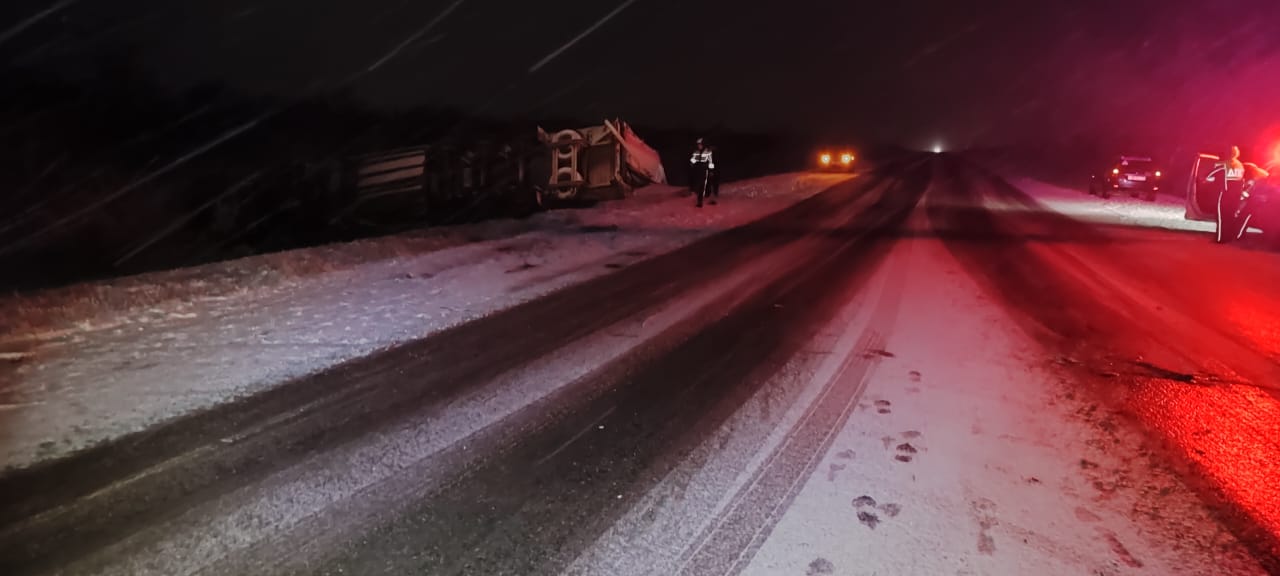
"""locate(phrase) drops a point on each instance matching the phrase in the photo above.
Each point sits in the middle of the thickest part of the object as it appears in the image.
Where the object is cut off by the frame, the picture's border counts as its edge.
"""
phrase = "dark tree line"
(104, 174)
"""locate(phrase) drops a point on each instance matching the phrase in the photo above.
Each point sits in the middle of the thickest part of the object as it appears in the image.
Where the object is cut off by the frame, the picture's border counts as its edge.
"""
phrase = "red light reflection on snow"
(1230, 431)
(1253, 317)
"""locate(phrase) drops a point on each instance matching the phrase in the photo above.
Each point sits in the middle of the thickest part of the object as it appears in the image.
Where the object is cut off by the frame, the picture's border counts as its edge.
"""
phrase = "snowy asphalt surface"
(104, 360)
(889, 377)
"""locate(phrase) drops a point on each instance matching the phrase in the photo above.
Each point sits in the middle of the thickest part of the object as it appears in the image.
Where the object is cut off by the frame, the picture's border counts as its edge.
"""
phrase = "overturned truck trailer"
(599, 162)
(454, 180)
(445, 182)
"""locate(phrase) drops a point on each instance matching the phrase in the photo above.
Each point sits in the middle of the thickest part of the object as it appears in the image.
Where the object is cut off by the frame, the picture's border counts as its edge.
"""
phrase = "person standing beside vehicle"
(1231, 172)
(1255, 178)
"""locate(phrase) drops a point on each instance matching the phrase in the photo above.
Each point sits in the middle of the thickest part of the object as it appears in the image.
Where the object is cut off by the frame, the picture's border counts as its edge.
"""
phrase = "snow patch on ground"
(968, 456)
(113, 372)
(1167, 212)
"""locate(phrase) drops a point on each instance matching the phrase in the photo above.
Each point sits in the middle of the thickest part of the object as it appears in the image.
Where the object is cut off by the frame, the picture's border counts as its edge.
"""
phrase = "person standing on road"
(695, 180)
(703, 175)
(1231, 173)
(1255, 178)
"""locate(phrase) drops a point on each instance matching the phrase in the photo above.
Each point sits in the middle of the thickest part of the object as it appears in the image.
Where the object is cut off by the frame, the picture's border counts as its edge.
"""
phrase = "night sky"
(915, 71)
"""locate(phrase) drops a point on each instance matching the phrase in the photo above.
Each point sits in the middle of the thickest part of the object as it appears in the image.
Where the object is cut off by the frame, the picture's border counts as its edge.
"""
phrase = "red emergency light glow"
(1268, 146)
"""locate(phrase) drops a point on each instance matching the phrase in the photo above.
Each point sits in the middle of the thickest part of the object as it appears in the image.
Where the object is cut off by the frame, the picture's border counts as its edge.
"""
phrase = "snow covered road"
(922, 370)
(98, 370)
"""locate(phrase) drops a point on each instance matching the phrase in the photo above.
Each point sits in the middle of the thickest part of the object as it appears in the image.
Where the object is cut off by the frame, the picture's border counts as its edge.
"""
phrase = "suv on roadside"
(1137, 175)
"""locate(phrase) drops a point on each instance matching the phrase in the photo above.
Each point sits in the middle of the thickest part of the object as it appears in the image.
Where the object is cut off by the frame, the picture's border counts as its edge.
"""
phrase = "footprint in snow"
(906, 450)
(1085, 515)
(1119, 549)
(866, 506)
(820, 567)
(984, 511)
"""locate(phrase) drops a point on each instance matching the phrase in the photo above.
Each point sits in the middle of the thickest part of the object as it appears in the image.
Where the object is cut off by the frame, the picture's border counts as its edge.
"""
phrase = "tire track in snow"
(729, 544)
(507, 516)
(61, 510)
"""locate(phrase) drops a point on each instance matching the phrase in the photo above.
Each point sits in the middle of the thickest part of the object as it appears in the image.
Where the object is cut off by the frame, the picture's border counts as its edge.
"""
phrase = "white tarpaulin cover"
(642, 159)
